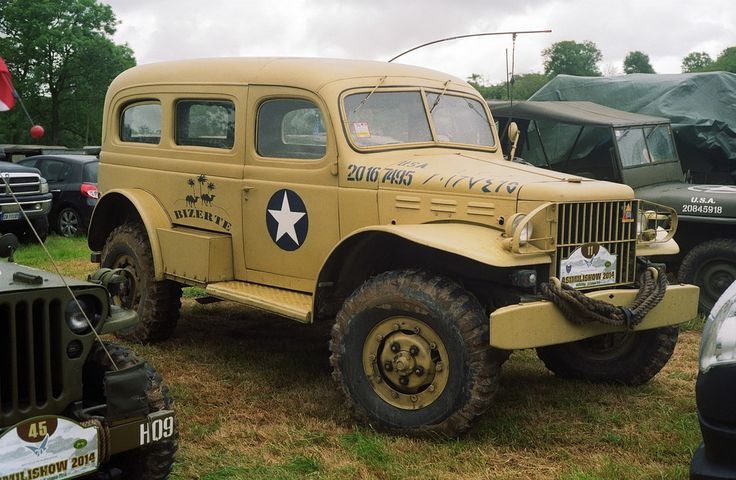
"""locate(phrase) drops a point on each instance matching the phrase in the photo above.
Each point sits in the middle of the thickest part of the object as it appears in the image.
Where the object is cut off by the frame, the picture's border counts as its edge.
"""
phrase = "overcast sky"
(666, 30)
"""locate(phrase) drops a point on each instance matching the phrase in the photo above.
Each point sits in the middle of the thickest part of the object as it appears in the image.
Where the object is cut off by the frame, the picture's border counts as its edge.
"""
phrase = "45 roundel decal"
(287, 220)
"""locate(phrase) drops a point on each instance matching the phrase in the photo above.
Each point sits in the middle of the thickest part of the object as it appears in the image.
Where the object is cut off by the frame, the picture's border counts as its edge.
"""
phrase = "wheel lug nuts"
(433, 346)
(413, 350)
(430, 388)
(438, 367)
(419, 371)
(395, 347)
(404, 380)
(388, 366)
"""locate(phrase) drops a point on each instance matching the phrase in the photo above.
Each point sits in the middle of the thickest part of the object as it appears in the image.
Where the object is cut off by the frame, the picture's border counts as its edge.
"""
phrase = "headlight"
(76, 320)
(44, 186)
(718, 343)
(527, 231)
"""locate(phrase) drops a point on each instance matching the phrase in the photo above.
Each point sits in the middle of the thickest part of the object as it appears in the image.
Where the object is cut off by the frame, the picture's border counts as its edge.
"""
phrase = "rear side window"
(205, 123)
(141, 123)
(291, 128)
(89, 172)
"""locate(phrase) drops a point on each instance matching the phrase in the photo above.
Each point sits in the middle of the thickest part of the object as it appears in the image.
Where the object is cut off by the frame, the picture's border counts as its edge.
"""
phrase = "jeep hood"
(466, 173)
(710, 201)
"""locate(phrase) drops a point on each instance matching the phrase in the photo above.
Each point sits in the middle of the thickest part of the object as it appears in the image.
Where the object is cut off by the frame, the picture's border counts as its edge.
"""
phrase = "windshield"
(392, 118)
(645, 145)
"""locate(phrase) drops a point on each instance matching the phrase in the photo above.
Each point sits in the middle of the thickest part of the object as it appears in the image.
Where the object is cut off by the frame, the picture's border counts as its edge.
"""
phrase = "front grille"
(20, 183)
(31, 374)
(604, 224)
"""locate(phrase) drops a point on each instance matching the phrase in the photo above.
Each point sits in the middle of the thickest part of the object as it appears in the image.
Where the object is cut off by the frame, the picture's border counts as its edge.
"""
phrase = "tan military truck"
(375, 196)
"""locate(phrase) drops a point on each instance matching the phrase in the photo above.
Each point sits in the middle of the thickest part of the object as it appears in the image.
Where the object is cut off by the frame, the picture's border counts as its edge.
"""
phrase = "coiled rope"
(581, 309)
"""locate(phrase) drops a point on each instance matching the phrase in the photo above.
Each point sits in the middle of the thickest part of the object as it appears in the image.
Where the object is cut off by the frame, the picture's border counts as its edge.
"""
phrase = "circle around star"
(287, 220)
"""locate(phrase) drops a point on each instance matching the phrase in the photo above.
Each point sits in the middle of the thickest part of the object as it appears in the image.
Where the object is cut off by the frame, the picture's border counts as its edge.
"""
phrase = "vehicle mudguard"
(120, 205)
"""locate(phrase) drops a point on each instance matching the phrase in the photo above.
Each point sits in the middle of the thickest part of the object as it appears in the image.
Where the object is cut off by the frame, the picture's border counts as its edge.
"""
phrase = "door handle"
(246, 189)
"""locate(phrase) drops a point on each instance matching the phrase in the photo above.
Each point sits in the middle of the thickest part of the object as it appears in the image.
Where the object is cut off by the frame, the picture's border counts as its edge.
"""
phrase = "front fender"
(477, 243)
(122, 205)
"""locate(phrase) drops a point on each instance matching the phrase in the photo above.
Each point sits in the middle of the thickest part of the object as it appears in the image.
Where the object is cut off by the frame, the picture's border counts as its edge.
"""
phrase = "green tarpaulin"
(701, 107)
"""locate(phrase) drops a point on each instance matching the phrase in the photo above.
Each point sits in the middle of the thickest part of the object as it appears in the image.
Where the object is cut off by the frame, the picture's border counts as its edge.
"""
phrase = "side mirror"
(8, 244)
(514, 134)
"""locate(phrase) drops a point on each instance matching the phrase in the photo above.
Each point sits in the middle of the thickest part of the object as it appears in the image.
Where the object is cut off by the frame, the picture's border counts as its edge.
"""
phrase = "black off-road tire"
(457, 318)
(150, 462)
(41, 224)
(157, 302)
(712, 267)
(629, 358)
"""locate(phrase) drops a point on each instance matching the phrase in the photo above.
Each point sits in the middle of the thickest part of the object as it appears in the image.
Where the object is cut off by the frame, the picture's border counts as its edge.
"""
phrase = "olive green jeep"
(70, 405)
(375, 198)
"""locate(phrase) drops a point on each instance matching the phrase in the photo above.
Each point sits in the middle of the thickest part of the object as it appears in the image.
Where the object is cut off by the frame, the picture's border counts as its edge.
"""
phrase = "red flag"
(7, 100)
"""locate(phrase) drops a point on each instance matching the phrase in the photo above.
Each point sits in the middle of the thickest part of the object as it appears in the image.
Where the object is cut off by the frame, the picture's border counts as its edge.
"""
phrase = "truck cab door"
(290, 204)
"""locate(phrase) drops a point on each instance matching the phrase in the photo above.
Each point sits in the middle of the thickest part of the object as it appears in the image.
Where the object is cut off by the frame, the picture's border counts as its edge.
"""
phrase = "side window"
(53, 170)
(205, 123)
(141, 123)
(290, 128)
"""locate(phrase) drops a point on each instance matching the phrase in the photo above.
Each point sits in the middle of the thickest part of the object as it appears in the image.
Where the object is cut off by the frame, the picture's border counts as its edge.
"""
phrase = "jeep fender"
(348, 262)
(123, 205)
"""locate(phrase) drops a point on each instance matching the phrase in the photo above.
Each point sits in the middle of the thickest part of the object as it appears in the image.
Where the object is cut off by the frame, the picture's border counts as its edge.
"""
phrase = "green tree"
(696, 62)
(572, 58)
(62, 59)
(524, 87)
(637, 62)
(726, 61)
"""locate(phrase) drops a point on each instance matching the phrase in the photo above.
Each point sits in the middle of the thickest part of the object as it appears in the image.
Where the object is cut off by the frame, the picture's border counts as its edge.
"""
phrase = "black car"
(715, 393)
(73, 182)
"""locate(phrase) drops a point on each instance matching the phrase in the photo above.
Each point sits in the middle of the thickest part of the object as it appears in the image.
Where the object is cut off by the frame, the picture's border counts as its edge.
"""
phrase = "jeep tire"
(40, 224)
(629, 358)
(712, 267)
(150, 462)
(436, 327)
(156, 302)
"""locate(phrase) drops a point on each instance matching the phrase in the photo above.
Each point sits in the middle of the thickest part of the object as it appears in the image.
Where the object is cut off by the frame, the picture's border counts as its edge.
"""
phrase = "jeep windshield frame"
(390, 118)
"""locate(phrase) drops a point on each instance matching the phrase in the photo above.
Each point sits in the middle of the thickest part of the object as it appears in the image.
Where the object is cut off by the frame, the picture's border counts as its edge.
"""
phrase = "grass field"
(255, 400)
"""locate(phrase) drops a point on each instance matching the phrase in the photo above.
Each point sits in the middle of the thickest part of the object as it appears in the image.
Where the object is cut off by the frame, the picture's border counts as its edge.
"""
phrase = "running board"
(294, 305)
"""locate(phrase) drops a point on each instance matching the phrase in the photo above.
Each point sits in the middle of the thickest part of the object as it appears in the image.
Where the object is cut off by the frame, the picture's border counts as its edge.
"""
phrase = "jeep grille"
(602, 223)
(21, 184)
(31, 357)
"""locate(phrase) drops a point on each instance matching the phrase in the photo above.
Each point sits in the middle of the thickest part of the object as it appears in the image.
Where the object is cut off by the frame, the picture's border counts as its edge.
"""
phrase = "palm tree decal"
(191, 184)
(202, 179)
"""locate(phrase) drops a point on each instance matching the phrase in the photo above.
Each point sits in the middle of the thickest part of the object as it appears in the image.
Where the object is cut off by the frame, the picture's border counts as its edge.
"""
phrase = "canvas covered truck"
(375, 198)
(69, 404)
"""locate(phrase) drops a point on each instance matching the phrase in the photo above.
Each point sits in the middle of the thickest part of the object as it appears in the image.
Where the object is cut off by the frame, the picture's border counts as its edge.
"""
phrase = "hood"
(709, 201)
(468, 173)
(15, 168)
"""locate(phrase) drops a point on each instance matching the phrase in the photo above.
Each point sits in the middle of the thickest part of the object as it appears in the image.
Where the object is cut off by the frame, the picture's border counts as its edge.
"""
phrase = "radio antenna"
(457, 37)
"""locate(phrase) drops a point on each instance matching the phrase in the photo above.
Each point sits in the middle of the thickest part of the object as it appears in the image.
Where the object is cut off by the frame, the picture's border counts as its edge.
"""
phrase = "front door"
(290, 207)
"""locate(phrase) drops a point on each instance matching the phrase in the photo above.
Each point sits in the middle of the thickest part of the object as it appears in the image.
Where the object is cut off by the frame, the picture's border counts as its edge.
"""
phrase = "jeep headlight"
(515, 223)
(44, 185)
(718, 343)
(75, 318)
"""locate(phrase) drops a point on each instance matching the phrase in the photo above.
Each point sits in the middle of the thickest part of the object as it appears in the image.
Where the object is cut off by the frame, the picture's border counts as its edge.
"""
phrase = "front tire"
(629, 358)
(712, 267)
(153, 461)
(411, 354)
(156, 302)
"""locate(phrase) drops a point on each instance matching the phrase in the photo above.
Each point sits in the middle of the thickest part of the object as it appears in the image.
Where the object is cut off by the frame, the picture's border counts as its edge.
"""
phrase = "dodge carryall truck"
(375, 197)
(591, 140)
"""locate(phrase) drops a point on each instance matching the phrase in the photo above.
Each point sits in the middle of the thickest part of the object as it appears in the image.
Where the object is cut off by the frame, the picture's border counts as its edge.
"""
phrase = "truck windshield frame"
(390, 118)
(645, 145)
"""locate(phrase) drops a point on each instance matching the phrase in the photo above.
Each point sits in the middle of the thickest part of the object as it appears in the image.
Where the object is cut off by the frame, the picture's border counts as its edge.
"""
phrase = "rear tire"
(153, 461)
(41, 224)
(156, 302)
(68, 222)
(434, 326)
(712, 267)
(630, 358)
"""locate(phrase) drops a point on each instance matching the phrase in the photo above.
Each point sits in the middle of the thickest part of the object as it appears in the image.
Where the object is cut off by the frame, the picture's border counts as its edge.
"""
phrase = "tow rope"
(581, 309)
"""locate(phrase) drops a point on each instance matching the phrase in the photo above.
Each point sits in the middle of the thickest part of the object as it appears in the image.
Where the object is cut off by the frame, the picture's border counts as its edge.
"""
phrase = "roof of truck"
(308, 73)
(575, 113)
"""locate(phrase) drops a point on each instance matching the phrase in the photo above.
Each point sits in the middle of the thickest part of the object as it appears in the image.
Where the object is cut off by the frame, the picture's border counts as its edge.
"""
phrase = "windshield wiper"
(437, 101)
(362, 102)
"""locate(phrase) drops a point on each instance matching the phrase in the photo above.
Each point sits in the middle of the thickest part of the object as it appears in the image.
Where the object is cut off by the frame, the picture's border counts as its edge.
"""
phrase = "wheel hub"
(406, 362)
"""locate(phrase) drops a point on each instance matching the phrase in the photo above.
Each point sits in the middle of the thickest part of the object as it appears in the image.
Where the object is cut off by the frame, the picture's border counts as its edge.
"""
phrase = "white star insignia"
(286, 220)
